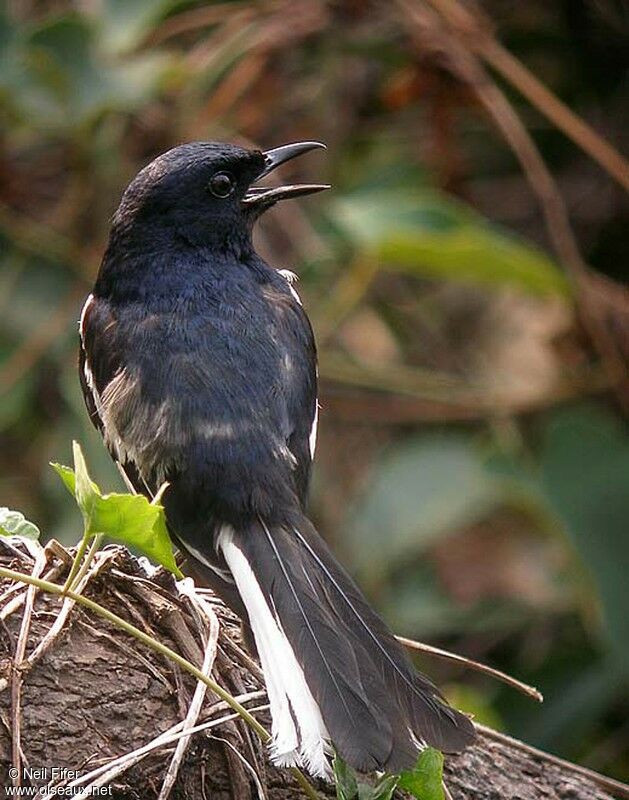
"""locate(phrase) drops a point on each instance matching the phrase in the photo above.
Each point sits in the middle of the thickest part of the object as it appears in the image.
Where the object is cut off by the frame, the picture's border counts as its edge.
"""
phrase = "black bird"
(198, 366)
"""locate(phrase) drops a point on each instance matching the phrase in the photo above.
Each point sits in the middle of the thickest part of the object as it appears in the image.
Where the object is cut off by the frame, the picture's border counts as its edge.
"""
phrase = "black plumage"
(198, 366)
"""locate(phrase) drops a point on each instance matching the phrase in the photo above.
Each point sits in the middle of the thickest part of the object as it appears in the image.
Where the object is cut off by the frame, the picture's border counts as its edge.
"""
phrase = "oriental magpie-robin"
(198, 366)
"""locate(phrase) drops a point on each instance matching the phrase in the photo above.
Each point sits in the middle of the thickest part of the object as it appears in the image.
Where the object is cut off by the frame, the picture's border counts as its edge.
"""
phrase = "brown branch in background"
(454, 47)
(430, 393)
(390, 408)
(477, 36)
(191, 20)
(230, 91)
(348, 291)
(258, 30)
(558, 113)
(219, 48)
(477, 666)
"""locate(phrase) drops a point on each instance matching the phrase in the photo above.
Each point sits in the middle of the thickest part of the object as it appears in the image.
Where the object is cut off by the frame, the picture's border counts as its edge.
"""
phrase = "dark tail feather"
(377, 709)
(430, 718)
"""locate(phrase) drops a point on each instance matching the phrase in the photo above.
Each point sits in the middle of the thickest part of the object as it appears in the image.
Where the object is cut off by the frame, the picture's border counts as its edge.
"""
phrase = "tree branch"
(95, 705)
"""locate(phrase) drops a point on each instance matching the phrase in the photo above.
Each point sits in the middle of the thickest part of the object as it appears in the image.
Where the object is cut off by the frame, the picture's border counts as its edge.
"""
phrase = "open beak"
(261, 197)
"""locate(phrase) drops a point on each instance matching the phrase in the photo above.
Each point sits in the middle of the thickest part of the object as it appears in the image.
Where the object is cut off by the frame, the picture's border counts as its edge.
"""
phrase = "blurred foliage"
(473, 466)
(430, 235)
(13, 523)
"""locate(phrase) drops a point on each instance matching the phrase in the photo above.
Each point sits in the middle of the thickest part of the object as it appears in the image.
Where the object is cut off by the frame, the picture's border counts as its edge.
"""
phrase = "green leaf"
(420, 491)
(125, 23)
(13, 523)
(425, 782)
(585, 476)
(68, 82)
(427, 233)
(126, 518)
(345, 780)
(66, 474)
(86, 491)
(132, 520)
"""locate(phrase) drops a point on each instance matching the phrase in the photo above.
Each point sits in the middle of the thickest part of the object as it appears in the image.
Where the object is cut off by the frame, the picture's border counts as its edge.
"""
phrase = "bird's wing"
(300, 389)
(99, 362)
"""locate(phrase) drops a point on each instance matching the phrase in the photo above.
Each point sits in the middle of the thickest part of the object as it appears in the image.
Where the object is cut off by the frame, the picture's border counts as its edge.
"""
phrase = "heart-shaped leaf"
(130, 519)
(425, 782)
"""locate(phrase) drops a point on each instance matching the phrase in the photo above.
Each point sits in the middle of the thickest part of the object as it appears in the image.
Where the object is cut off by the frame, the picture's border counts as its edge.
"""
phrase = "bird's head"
(207, 193)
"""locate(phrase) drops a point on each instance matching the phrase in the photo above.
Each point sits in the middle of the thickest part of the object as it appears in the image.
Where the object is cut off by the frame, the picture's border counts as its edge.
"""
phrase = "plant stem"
(305, 784)
(76, 563)
(88, 560)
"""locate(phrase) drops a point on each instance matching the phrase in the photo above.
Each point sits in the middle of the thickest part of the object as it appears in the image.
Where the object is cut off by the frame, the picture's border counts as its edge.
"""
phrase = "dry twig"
(458, 49)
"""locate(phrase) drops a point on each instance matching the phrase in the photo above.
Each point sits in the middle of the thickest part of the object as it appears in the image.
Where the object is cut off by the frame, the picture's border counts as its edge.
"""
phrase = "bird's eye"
(222, 184)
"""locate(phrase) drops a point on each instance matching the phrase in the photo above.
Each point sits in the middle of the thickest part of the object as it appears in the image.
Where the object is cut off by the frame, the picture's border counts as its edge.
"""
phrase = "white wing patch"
(222, 573)
(291, 279)
(313, 431)
(88, 303)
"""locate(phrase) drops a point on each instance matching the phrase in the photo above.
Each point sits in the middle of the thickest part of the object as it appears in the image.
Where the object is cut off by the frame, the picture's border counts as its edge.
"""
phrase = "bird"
(198, 366)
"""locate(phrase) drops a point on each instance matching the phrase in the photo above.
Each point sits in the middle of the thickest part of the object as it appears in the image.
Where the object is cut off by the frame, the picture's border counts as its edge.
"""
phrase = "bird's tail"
(333, 670)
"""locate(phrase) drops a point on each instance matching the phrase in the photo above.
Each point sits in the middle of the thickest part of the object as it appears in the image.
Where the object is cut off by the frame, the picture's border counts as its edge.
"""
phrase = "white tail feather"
(299, 733)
